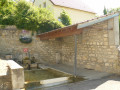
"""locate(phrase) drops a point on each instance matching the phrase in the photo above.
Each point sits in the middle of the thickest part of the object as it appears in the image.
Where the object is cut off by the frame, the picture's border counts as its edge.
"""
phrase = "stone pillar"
(116, 30)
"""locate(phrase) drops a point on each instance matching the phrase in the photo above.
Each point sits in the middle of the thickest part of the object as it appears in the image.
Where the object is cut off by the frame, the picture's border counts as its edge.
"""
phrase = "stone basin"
(41, 78)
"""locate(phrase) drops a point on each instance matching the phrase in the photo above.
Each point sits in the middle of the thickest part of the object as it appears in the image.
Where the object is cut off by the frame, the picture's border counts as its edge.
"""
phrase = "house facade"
(74, 8)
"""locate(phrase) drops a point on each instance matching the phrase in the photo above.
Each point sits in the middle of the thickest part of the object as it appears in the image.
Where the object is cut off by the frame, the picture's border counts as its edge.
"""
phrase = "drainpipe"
(75, 56)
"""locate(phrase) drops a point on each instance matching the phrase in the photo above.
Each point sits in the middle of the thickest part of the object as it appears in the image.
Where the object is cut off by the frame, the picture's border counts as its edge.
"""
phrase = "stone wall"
(5, 81)
(11, 75)
(97, 48)
(42, 50)
(5, 76)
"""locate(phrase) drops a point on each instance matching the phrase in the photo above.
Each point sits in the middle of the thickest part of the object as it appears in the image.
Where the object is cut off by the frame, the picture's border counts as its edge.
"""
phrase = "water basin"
(41, 78)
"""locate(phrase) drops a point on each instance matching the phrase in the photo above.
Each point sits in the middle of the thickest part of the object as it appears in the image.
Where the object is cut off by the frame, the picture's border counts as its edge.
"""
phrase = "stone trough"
(45, 77)
(11, 75)
(14, 77)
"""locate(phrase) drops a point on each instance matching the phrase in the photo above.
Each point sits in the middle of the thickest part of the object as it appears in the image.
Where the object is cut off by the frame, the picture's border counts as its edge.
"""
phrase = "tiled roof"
(75, 4)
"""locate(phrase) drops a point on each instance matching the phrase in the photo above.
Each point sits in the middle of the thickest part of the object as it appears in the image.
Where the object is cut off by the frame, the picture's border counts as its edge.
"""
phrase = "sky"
(98, 5)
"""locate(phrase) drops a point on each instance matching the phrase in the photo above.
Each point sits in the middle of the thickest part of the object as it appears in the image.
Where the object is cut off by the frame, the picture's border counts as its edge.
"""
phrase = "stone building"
(96, 45)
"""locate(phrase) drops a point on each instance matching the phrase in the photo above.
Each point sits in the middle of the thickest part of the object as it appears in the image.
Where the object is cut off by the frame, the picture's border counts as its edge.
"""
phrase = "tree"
(113, 10)
(7, 12)
(32, 18)
(105, 11)
(65, 18)
(26, 16)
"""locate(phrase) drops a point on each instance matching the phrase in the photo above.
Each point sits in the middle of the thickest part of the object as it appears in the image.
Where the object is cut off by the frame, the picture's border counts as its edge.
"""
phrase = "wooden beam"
(68, 31)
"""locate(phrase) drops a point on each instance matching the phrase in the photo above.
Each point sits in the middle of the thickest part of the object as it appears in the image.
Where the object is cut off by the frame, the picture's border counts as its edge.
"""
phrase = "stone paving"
(95, 79)
(86, 73)
(85, 85)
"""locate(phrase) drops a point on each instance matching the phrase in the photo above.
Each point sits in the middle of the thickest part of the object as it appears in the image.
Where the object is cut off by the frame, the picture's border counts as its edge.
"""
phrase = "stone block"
(105, 43)
(17, 75)
(106, 64)
(105, 35)
(33, 65)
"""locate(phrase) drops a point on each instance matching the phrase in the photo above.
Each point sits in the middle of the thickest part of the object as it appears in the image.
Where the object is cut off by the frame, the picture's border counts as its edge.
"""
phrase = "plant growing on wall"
(65, 18)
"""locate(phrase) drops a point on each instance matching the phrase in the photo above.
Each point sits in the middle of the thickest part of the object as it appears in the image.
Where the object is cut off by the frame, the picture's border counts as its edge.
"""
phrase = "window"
(44, 4)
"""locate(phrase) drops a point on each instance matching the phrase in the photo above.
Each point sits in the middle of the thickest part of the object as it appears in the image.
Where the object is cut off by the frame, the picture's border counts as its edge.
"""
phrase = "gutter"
(96, 21)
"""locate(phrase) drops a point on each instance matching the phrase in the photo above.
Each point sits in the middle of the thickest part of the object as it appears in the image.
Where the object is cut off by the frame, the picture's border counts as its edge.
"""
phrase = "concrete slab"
(86, 73)
(109, 85)
(55, 80)
(85, 85)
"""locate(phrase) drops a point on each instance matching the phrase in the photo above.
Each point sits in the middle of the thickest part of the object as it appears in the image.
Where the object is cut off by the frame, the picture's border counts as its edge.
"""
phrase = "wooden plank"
(61, 33)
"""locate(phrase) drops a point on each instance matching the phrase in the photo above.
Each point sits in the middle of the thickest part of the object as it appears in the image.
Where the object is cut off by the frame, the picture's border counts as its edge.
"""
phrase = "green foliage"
(48, 25)
(26, 16)
(45, 14)
(47, 21)
(32, 18)
(65, 18)
(7, 12)
(105, 11)
(113, 10)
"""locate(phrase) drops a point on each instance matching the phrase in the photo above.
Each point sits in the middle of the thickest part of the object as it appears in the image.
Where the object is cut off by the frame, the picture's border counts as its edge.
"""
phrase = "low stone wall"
(11, 75)
(42, 50)
(5, 76)
(96, 48)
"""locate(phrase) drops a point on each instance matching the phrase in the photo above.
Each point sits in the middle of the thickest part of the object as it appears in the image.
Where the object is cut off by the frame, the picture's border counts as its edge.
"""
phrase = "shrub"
(7, 15)
(48, 25)
(65, 18)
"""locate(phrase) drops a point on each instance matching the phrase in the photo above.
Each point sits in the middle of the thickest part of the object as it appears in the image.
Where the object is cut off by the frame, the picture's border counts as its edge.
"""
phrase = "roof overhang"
(97, 21)
(74, 29)
(62, 32)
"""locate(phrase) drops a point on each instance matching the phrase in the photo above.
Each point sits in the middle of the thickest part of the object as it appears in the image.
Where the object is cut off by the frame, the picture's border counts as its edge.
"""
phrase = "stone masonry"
(96, 48)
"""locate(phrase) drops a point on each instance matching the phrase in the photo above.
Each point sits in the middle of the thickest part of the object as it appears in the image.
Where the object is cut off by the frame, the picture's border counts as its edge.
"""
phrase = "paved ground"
(86, 73)
(94, 79)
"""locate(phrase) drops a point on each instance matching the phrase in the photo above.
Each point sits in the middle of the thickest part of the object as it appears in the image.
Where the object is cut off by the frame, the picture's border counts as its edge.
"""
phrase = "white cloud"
(98, 5)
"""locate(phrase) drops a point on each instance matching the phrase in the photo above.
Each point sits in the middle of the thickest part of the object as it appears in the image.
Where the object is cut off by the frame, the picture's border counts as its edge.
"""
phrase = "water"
(33, 78)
